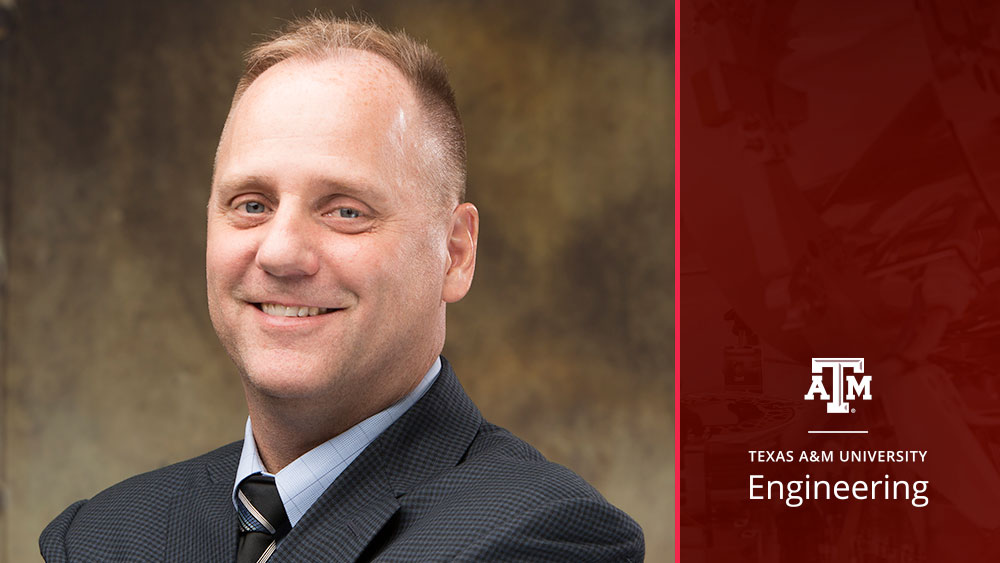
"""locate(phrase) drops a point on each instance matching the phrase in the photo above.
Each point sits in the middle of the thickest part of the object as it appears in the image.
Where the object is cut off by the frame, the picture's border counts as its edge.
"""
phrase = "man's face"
(327, 262)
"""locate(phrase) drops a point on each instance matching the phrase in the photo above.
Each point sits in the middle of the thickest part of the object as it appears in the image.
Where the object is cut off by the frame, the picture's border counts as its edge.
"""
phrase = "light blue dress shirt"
(301, 482)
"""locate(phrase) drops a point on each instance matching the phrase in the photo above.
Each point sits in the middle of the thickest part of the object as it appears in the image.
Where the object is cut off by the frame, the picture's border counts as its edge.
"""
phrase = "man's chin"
(290, 382)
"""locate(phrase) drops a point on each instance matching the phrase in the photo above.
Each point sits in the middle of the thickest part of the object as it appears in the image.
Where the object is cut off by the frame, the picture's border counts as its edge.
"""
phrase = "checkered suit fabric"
(440, 484)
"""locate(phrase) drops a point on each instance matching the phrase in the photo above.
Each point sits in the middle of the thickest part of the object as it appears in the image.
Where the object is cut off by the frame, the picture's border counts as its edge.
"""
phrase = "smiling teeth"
(282, 311)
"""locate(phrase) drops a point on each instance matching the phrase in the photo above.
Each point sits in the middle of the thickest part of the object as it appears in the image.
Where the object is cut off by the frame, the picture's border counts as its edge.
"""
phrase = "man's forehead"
(326, 89)
(348, 71)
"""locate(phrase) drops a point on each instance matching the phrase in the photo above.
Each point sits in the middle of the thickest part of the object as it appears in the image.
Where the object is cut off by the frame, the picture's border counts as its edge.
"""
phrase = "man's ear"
(462, 240)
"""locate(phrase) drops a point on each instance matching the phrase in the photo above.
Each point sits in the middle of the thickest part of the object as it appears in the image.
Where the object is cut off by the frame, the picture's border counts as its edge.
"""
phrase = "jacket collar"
(200, 518)
(431, 437)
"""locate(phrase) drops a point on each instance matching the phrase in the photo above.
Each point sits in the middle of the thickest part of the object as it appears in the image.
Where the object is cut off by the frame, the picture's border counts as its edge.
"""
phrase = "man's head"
(336, 199)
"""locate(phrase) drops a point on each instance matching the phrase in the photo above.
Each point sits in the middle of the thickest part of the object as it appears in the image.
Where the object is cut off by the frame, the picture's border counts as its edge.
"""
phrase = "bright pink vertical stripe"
(677, 281)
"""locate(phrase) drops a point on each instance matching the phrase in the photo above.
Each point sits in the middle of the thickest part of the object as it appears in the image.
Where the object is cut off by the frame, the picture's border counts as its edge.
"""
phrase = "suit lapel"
(345, 522)
(202, 522)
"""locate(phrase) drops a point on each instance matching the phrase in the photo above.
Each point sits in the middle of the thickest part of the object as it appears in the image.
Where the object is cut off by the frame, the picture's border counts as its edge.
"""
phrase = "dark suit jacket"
(440, 484)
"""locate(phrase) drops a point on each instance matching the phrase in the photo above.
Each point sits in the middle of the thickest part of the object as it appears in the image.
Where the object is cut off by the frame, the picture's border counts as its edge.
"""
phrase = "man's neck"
(286, 428)
(282, 439)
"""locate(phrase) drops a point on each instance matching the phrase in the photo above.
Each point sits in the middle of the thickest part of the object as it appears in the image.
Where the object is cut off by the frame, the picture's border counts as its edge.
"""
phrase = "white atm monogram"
(844, 387)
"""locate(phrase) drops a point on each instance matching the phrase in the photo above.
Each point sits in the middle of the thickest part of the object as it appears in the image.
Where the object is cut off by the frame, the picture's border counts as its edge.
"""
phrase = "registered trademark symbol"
(854, 410)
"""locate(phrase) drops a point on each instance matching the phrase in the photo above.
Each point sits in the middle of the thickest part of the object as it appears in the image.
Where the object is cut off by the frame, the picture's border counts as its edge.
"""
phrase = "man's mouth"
(276, 310)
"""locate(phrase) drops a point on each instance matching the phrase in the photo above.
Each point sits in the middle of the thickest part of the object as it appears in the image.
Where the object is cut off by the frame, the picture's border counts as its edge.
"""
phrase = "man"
(336, 237)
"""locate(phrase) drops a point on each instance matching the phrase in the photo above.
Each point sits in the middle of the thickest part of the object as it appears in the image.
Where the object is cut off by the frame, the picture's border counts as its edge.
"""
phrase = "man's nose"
(288, 248)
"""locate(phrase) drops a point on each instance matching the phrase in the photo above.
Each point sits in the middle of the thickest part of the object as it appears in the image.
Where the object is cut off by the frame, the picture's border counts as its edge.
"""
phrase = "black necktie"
(258, 494)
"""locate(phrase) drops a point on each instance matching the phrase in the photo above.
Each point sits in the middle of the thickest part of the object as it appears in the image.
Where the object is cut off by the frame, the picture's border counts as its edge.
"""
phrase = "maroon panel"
(839, 280)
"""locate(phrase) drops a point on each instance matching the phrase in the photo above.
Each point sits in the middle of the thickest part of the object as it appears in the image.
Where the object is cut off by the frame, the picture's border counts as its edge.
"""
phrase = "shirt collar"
(301, 482)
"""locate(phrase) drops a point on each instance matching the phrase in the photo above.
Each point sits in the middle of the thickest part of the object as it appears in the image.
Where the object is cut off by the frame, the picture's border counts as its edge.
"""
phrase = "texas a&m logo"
(845, 387)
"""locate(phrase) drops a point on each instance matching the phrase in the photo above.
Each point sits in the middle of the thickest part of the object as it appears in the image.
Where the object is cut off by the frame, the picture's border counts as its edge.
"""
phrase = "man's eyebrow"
(243, 182)
(359, 187)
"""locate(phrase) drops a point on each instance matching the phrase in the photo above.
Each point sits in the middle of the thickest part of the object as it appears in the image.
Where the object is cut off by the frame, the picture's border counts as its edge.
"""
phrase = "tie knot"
(259, 496)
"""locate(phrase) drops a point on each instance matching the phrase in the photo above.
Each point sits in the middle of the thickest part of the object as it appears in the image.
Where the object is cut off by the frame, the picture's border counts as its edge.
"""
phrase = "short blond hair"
(316, 37)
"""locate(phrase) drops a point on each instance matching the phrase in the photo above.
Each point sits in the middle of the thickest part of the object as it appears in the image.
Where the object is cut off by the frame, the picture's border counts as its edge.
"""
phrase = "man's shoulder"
(514, 504)
(118, 515)
(519, 468)
(171, 479)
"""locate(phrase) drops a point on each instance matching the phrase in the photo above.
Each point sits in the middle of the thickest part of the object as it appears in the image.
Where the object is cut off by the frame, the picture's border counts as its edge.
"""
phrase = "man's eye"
(348, 213)
(253, 207)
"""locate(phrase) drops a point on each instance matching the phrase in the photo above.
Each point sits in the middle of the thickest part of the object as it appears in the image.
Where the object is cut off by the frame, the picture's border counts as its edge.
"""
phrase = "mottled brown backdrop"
(111, 112)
